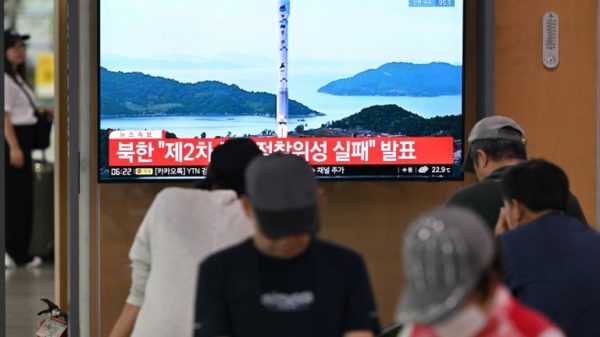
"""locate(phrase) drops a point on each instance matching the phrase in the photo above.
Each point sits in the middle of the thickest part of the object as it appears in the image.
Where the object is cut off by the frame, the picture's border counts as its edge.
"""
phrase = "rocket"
(282, 92)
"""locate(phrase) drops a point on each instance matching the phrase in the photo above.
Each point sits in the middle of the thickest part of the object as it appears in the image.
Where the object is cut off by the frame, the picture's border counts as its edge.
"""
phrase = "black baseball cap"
(228, 162)
(283, 191)
(11, 37)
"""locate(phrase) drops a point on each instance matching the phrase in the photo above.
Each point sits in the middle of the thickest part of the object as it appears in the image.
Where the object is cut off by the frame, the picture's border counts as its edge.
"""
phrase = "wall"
(556, 108)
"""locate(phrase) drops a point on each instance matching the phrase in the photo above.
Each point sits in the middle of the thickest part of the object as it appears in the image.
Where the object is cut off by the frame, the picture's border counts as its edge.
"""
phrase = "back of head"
(228, 163)
(499, 137)
(537, 184)
(282, 189)
(445, 253)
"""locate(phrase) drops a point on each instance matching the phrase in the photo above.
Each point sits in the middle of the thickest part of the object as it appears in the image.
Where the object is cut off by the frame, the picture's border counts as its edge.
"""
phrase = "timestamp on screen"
(121, 171)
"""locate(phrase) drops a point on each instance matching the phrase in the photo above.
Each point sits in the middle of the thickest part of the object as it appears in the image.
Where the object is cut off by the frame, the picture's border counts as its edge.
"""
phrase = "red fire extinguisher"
(55, 323)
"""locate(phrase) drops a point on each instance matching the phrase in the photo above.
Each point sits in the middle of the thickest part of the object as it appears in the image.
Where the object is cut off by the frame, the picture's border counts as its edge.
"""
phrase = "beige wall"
(556, 108)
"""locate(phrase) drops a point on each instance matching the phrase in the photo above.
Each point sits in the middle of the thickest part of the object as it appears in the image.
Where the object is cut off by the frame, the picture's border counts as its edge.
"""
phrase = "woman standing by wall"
(20, 118)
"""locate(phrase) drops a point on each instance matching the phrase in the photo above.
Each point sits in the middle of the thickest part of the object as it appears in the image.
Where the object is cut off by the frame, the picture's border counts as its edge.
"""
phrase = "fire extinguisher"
(55, 323)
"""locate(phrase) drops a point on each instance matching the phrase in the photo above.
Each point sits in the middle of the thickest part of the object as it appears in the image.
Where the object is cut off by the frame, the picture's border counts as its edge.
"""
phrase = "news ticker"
(138, 149)
(322, 171)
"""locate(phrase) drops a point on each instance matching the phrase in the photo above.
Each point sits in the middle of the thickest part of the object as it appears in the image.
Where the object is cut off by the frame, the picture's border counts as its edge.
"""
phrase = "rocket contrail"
(282, 93)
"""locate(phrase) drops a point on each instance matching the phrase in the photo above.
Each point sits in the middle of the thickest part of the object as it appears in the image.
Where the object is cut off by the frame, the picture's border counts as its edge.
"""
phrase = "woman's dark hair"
(537, 184)
(228, 163)
(8, 68)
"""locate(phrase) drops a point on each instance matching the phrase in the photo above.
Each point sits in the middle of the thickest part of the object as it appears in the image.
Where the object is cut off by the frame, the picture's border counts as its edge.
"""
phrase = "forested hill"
(401, 79)
(140, 95)
(394, 120)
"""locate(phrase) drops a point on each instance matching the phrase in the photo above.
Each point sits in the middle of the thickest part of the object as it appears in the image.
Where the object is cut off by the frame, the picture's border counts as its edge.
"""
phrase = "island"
(401, 79)
(134, 94)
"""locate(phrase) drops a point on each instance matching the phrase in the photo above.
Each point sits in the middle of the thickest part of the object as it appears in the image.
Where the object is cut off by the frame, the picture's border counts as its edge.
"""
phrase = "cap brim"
(24, 37)
(277, 224)
(468, 163)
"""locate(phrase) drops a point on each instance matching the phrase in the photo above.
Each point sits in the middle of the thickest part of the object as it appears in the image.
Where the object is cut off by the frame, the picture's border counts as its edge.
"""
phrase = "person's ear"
(481, 159)
(247, 206)
(517, 213)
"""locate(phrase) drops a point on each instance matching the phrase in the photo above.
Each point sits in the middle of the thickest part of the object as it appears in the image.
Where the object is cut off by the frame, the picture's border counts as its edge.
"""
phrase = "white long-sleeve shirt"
(180, 229)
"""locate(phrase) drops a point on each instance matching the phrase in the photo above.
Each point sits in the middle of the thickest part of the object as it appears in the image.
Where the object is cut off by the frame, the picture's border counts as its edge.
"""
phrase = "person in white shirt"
(19, 120)
(181, 228)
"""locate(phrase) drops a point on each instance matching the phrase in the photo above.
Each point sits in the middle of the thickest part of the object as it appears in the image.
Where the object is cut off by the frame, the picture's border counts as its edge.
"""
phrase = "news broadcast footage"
(360, 89)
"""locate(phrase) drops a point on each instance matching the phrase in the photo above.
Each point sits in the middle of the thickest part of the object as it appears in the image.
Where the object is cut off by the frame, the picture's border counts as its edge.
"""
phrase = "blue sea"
(302, 88)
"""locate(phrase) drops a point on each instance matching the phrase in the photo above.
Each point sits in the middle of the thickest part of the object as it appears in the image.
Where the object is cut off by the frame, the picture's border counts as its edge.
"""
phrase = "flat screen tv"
(360, 89)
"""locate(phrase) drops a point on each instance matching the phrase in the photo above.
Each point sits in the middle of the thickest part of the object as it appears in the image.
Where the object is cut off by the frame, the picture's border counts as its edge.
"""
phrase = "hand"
(503, 223)
(16, 157)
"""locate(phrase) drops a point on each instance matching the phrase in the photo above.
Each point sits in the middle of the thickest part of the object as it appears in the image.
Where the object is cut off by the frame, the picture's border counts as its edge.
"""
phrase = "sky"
(370, 31)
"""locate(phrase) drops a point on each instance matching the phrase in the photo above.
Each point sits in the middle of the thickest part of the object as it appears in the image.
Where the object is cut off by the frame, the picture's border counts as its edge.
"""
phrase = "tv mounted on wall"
(361, 89)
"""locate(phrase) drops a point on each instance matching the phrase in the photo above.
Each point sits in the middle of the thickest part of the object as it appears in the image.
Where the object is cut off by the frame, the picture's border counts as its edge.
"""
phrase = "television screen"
(360, 89)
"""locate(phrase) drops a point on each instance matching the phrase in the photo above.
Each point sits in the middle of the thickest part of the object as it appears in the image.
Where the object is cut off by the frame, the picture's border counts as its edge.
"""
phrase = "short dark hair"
(228, 164)
(498, 149)
(538, 184)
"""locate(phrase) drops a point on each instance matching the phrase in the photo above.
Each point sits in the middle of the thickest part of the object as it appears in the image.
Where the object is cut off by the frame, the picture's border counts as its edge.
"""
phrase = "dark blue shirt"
(553, 265)
(324, 292)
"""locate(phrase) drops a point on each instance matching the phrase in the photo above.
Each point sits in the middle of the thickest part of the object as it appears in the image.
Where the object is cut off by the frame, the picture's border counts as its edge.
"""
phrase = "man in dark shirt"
(495, 144)
(284, 281)
(550, 259)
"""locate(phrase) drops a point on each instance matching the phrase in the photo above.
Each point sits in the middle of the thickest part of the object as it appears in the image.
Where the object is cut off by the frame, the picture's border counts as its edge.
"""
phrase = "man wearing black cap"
(181, 227)
(284, 281)
(495, 144)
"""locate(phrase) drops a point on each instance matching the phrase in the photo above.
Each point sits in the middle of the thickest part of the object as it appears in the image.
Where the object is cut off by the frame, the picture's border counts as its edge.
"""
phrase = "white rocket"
(282, 93)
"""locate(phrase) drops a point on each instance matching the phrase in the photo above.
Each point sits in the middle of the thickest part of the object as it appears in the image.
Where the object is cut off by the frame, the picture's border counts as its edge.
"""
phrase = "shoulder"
(231, 255)
(9, 82)
(336, 253)
(193, 199)
(476, 191)
(330, 247)
(187, 194)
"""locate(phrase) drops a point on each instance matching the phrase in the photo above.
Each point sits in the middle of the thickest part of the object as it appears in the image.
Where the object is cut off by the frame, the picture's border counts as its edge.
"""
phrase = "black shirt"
(325, 292)
(485, 198)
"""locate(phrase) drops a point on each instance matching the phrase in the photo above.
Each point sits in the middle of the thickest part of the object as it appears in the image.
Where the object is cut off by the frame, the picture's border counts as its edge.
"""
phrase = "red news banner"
(152, 148)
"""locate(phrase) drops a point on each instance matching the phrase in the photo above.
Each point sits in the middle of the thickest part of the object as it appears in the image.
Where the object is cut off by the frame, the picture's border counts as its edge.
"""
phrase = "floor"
(24, 289)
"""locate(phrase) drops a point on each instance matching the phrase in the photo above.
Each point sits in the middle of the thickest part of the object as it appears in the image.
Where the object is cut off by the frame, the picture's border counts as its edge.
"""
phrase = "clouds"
(366, 30)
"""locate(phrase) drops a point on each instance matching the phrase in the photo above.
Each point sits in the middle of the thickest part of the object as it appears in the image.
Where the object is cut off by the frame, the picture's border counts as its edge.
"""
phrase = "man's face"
(285, 248)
